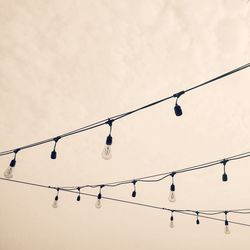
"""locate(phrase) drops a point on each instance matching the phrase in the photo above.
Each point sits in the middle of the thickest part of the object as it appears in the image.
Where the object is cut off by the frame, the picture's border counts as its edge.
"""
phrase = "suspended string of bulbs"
(156, 178)
(198, 214)
(153, 178)
(106, 153)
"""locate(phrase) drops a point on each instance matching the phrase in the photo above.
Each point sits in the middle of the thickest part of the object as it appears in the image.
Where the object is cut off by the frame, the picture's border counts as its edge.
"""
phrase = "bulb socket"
(109, 140)
(197, 221)
(99, 196)
(172, 187)
(53, 155)
(224, 177)
(13, 163)
(226, 223)
(56, 198)
(78, 198)
(172, 218)
(134, 194)
(178, 110)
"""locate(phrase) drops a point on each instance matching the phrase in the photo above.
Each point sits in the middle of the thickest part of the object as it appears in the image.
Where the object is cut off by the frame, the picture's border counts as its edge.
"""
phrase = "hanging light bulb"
(8, 173)
(134, 191)
(106, 153)
(98, 203)
(172, 197)
(79, 194)
(197, 218)
(171, 224)
(177, 108)
(226, 229)
(55, 202)
(54, 153)
(224, 176)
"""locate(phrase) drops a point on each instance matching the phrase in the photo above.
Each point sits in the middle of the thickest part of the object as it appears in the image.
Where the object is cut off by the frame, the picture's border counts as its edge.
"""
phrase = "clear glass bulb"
(8, 173)
(106, 153)
(171, 224)
(98, 203)
(227, 230)
(172, 197)
(55, 204)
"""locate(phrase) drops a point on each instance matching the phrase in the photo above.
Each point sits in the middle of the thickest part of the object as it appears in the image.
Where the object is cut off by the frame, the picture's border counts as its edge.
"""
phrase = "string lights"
(206, 214)
(156, 178)
(107, 152)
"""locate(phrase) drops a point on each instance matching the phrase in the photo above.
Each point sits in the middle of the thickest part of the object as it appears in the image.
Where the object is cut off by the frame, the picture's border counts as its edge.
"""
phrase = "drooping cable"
(182, 211)
(153, 179)
(120, 116)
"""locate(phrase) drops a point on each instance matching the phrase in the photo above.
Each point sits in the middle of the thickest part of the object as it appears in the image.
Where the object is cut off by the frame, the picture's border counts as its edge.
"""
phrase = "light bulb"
(55, 202)
(106, 153)
(98, 203)
(171, 224)
(8, 173)
(172, 197)
(227, 230)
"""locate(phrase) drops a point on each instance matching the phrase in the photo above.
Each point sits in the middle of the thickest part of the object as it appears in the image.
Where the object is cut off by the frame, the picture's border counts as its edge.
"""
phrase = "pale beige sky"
(65, 64)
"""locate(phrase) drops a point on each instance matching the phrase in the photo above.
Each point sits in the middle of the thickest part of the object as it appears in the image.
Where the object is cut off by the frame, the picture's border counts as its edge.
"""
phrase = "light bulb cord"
(56, 139)
(226, 221)
(197, 215)
(134, 183)
(110, 123)
(15, 153)
(100, 192)
(123, 115)
(57, 194)
(224, 162)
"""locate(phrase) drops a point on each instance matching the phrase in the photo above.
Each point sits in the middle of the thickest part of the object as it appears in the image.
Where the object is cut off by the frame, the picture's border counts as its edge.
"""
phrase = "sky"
(66, 64)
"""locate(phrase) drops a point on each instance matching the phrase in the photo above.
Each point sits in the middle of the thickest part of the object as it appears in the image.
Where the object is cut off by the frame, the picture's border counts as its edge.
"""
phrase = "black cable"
(212, 218)
(185, 212)
(120, 116)
(165, 175)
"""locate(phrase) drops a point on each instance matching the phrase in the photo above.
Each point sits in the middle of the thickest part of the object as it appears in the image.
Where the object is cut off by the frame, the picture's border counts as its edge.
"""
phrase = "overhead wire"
(162, 175)
(180, 211)
(120, 116)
